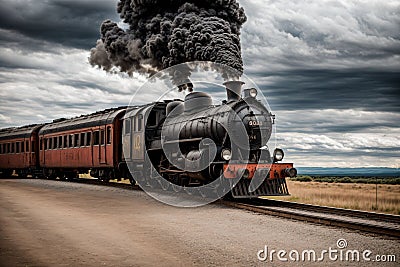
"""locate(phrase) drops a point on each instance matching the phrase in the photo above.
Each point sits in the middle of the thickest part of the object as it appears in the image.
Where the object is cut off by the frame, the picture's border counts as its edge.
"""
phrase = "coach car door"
(103, 146)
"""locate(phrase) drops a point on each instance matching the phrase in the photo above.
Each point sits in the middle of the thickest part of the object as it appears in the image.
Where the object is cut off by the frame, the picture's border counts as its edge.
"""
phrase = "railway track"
(371, 222)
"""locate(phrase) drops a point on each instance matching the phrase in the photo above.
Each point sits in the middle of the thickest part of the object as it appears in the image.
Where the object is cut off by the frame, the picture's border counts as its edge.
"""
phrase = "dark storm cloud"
(72, 23)
(339, 89)
(164, 33)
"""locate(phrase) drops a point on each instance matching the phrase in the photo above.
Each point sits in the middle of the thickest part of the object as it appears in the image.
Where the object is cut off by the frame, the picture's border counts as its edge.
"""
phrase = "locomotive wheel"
(22, 175)
(51, 177)
(6, 174)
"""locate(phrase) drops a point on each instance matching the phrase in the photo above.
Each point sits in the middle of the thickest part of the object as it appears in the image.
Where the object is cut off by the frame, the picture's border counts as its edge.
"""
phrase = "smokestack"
(233, 90)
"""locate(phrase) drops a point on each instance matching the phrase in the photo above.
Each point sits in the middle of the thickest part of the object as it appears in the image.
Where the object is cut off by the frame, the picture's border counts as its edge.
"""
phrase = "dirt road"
(52, 223)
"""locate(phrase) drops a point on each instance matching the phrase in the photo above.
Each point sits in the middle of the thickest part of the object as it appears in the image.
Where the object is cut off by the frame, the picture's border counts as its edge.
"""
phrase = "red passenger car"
(90, 142)
(18, 148)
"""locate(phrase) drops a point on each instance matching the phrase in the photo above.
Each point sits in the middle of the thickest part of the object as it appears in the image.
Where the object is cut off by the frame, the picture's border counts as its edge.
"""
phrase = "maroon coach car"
(18, 148)
(90, 142)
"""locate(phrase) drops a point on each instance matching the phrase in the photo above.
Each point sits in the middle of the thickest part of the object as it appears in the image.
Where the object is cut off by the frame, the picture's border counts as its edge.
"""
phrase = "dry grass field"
(346, 195)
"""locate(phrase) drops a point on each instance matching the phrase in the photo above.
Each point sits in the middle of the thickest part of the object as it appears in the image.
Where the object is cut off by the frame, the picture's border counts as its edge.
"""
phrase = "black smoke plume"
(163, 33)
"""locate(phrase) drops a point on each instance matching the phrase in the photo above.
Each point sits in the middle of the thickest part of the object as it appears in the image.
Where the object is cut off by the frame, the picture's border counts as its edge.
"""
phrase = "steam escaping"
(164, 33)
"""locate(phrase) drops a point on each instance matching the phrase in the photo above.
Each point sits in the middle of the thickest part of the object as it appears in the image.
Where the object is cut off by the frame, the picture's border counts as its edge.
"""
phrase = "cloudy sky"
(330, 71)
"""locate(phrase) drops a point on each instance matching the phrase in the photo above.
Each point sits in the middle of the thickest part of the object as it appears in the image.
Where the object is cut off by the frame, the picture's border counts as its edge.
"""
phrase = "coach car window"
(27, 146)
(50, 146)
(102, 139)
(89, 138)
(96, 138)
(82, 139)
(108, 135)
(65, 144)
(76, 141)
(54, 142)
(17, 147)
(71, 140)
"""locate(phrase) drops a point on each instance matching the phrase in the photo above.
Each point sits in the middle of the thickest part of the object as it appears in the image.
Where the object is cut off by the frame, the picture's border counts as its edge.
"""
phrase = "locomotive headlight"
(253, 92)
(226, 154)
(278, 154)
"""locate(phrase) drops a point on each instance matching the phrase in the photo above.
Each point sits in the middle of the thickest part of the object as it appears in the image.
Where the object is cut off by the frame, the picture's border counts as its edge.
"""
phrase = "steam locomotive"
(188, 143)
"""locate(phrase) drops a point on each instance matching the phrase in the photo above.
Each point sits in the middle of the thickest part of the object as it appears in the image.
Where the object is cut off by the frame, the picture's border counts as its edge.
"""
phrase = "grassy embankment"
(349, 195)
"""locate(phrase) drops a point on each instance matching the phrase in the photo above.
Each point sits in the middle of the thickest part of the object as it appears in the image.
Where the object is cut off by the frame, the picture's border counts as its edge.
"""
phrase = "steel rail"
(377, 223)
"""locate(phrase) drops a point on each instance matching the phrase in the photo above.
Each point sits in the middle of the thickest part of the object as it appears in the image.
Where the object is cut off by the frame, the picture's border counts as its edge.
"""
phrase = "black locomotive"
(193, 143)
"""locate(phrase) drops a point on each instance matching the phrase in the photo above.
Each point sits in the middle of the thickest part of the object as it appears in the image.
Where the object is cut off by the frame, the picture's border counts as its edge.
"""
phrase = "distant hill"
(365, 172)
